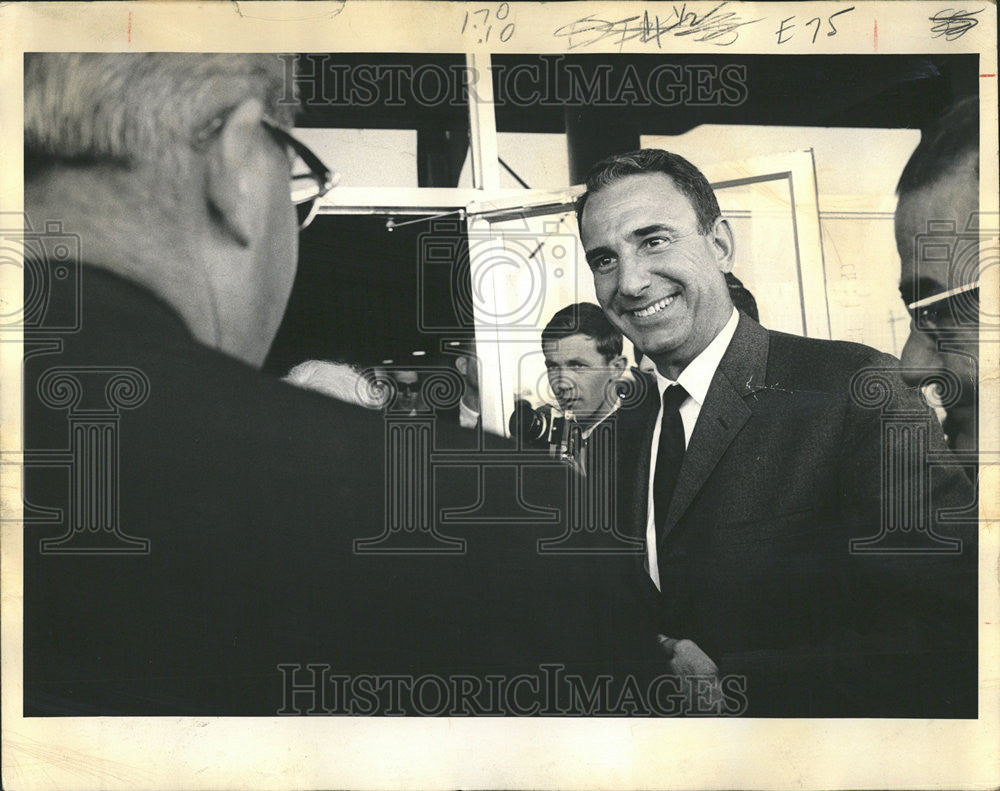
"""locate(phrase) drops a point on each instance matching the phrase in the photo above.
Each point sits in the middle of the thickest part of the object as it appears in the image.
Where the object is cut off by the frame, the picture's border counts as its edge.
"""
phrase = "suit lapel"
(638, 417)
(740, 373)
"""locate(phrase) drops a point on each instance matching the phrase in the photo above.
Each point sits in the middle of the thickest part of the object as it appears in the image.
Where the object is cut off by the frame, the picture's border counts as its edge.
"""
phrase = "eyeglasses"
(956, 308)
(310, 179)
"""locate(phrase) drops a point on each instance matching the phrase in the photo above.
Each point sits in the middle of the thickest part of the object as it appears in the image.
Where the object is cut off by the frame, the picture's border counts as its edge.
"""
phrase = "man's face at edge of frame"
(951, 199)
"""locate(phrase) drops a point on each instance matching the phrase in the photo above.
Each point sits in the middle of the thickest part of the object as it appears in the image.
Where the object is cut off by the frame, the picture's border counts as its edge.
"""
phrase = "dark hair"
(686, 177)
(943, 145)
(741, 296)
(584, 318)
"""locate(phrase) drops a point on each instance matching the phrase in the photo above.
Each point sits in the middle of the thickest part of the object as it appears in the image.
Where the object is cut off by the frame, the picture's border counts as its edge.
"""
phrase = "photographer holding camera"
(584, 362)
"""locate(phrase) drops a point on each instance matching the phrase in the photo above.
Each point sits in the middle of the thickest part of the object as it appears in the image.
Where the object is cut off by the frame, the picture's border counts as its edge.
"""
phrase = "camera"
(50, 261)
(496, 274)
(559, 433)
(958, 251)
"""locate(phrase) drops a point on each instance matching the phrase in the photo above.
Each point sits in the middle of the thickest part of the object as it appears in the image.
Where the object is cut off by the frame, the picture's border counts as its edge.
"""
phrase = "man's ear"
(619, 363)
(231, 179)
(462, 364)
(723, 244)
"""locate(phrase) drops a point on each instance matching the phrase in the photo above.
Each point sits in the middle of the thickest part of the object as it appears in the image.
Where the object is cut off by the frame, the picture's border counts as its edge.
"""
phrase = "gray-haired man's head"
(174, 169)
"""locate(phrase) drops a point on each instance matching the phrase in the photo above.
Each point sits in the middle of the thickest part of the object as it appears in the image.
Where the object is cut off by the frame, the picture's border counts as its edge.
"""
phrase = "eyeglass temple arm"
(923, 303)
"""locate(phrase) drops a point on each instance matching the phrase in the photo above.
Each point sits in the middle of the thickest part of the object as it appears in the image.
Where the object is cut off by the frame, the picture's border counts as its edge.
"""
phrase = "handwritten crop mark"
(721, 29)
(953, 24)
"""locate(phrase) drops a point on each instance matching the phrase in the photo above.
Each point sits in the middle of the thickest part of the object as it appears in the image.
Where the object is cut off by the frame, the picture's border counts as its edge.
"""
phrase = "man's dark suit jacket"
(783, 469)
(251, 494)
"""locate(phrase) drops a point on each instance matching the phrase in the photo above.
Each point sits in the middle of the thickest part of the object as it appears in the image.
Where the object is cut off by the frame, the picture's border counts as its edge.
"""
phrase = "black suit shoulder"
(252, 497)
(819, 364)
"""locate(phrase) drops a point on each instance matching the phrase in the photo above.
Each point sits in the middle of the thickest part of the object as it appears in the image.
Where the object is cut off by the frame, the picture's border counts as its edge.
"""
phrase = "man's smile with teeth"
(656, 307)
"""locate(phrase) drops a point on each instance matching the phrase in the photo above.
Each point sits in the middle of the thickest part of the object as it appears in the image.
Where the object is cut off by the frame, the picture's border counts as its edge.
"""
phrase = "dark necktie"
(669, 454)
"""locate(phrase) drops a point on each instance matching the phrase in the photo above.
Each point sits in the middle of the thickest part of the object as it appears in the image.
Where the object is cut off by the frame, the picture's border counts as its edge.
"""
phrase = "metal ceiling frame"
(485, 195)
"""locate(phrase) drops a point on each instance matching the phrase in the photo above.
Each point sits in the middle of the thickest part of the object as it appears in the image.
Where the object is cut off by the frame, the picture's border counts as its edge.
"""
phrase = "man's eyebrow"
(636, 233)
(648, 229)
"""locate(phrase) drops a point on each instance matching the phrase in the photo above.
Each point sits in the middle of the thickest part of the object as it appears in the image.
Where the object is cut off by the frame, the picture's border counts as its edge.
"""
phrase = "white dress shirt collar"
(591, 428)
(697, 376)
(467, 416)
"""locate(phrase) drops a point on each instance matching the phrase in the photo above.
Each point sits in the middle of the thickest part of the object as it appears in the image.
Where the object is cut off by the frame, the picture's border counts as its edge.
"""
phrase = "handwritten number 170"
(480, 21)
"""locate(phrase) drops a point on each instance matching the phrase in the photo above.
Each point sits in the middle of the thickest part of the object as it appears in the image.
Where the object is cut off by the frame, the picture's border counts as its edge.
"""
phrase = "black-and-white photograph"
(627, 372)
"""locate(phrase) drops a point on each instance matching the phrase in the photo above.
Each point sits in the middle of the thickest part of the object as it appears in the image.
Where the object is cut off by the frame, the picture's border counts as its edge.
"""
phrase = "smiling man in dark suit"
(752, 468)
